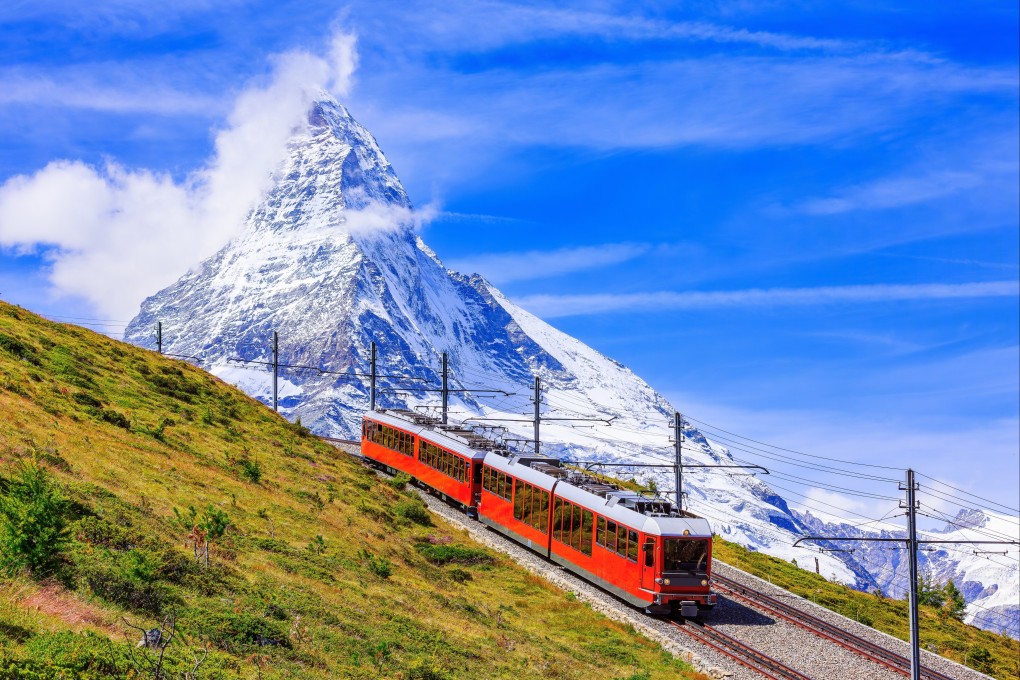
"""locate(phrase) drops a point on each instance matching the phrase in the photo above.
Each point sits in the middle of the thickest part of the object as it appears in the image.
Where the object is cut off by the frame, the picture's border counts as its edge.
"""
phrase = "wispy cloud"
(551, 306)
(490, 25)
(74, 92)
(891, 192)
(505, 267)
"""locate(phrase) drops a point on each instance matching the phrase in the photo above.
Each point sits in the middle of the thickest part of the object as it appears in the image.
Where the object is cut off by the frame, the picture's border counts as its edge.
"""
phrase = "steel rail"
(866, 648)
(742, 653)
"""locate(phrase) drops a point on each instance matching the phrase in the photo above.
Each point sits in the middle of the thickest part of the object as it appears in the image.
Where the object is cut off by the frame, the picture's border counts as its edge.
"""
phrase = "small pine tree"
(954, 605)
(929, 592)
(33, 526)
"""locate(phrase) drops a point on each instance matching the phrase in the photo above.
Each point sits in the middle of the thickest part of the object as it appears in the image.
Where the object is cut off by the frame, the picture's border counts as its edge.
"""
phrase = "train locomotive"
(638, 548)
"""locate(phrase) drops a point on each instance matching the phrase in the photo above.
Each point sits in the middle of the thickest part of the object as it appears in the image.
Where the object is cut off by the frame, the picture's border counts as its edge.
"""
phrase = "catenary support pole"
(372, 379)
(678, 469)
(915, 642)
(276, 369)
(159, 336)
(446, 386)
(538, 412)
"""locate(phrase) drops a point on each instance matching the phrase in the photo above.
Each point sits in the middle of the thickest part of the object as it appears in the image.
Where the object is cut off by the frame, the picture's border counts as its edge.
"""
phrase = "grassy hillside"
(322, 569)
(988, 652)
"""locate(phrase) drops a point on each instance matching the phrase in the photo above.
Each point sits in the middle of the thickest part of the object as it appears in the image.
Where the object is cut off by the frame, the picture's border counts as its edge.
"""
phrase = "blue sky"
(797, 220)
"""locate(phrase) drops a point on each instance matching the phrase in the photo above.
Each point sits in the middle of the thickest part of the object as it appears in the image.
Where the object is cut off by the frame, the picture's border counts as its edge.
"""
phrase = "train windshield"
(685, 554)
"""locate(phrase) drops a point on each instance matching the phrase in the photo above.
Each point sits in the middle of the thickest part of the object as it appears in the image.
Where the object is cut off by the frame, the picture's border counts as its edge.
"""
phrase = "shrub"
(130, 579)
(115, 418)
(84, 656)
(86, 399)
(19, 349)
(250, 469)
(33, 522)
(414, 511)
(453, 554)
(380, 566)
(226, 630)
(317, 545)
(297, 428)
(399, 481)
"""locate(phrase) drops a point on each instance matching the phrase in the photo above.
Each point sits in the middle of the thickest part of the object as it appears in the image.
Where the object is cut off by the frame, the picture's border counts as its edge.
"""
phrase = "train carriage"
(516, 501)
(435, 458)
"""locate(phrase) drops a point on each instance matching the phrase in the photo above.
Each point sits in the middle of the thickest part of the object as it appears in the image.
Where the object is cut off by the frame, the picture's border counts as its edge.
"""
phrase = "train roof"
(456, 439)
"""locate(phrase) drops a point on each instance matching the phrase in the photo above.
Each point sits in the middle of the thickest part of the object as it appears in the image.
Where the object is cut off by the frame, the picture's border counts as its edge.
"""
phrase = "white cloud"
(892, 192)
(380, 217)
(501, 268)
(114, 235)
(551, 306)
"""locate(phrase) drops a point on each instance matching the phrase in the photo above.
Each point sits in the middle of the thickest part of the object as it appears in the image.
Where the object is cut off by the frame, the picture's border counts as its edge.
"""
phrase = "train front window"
(685, 554)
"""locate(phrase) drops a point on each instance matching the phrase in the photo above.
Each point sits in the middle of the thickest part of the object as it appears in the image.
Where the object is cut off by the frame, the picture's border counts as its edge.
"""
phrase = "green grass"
(948, 637)
(324, 570)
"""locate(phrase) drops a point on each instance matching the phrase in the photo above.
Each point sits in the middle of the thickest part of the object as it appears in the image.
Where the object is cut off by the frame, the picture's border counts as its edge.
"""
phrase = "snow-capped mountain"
(331, 261)
(987, 575)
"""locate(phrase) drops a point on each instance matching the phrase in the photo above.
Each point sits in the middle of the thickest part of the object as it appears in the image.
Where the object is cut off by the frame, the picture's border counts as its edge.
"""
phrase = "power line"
(974, 495)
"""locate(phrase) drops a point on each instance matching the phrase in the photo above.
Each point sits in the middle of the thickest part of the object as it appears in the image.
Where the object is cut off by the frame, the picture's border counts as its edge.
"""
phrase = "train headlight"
(704, 581)
(666, 582)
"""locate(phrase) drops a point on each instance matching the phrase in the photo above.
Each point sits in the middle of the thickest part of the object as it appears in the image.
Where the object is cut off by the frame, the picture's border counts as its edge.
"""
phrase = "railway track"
(738, 651)
(821, 628)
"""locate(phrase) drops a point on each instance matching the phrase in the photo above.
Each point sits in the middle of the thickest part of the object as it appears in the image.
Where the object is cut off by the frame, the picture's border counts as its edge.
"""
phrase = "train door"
(648, 559)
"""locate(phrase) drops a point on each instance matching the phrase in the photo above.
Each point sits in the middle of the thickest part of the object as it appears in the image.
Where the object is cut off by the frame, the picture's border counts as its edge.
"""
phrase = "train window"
(684, 554)
(632, 546)
(587, 524)
(600, 534)
(527, 512)
(519, 501)
(557, 521)
(649, 550)
(611, 535)
(574, 527)
(541, 510)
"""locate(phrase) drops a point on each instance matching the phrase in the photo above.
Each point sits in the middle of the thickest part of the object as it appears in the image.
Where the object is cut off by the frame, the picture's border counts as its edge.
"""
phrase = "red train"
(640, 549)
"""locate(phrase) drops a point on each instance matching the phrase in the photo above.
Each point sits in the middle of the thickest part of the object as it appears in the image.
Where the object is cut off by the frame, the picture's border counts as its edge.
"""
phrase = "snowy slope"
(988, 579)
(331, 261)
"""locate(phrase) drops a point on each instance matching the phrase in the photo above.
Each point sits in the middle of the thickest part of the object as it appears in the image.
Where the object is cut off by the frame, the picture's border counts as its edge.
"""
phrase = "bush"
(115, 418)
(380, 566)
(414, 511)
(130, 579)
(33, 522)
(227, 630)
(83, 656)
(453, 554)
(86, 399)
(399, 481)
(250, 469)
(19, 349)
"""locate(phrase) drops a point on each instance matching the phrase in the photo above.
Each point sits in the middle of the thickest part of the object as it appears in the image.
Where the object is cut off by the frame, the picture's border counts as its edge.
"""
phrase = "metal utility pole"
(678, 472)
(915, 643)
(446, 386)
(276, 368)
(372, 377)
(159, 336)
(911, 542)
(538, 411)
